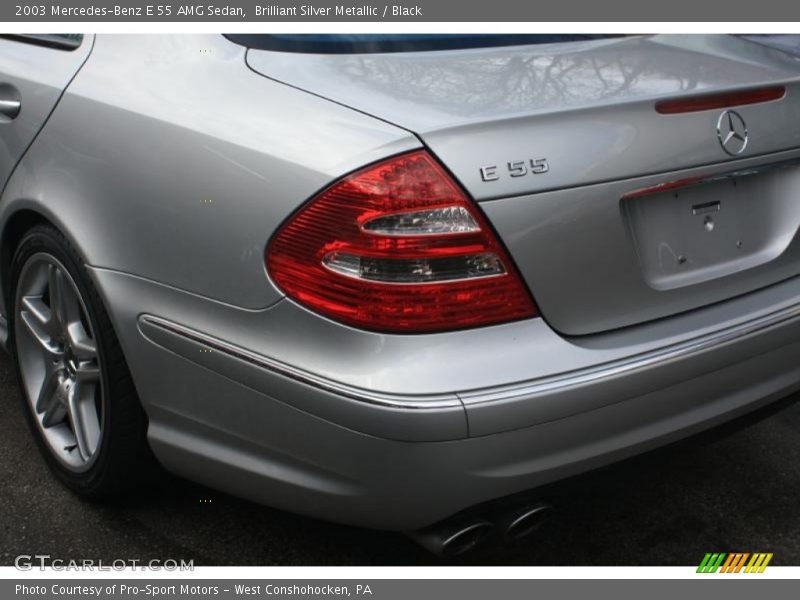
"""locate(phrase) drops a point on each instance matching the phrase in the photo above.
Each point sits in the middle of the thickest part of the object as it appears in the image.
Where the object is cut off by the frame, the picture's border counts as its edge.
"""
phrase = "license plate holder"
(699, 232)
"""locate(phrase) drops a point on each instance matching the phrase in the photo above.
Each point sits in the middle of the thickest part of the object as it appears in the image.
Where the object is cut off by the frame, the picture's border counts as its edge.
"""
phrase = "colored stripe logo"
(736, 562)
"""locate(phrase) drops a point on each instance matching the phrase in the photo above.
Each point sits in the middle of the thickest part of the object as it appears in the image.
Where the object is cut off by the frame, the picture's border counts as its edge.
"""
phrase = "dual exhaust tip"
(453, 537)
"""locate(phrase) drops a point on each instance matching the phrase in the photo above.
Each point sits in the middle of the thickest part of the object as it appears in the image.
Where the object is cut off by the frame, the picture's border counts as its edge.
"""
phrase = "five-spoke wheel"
(59, 362)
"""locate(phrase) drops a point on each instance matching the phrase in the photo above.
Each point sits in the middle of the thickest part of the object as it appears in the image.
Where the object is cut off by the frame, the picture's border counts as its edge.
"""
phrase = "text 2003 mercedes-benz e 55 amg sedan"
(384, 279)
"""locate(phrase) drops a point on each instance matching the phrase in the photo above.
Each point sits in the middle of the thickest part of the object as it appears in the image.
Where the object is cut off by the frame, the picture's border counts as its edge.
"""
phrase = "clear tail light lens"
(397, 247)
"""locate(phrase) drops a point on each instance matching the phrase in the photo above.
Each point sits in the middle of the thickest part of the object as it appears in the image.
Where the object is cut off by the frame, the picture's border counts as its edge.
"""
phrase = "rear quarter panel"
(169, 159)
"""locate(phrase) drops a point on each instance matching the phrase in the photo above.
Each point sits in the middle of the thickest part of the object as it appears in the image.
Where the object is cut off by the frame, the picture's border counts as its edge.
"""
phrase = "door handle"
(10, 103)
(10, 108)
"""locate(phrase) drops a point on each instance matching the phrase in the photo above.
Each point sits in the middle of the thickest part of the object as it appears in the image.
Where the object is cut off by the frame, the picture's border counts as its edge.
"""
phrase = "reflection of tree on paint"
(520, 78)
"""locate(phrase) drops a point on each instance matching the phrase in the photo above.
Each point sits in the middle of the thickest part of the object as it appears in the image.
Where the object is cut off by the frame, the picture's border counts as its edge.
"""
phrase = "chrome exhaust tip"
(450, 539)
(523, 521)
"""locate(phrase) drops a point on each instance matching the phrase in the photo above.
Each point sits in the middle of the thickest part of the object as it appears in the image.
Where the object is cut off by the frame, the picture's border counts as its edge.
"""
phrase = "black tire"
(124, 459)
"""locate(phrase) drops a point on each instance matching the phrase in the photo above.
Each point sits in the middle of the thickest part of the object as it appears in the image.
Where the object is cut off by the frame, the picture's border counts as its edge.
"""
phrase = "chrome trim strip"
(403, 401)
(531, 388)
(627, 366)
(712, 177)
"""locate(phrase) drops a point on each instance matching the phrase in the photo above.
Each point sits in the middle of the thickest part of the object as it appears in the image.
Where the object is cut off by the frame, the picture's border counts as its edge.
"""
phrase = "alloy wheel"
(59, 363)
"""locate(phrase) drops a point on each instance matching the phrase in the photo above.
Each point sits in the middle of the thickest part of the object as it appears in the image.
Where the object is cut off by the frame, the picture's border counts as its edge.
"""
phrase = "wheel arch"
(127, 459)
(14, 225)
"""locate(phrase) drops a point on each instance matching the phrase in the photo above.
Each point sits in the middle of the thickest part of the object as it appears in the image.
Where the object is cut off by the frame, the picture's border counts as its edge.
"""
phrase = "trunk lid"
(558, 141)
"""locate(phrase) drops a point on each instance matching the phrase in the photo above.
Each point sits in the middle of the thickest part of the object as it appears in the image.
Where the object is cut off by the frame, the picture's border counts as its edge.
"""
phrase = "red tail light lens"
(397, 247)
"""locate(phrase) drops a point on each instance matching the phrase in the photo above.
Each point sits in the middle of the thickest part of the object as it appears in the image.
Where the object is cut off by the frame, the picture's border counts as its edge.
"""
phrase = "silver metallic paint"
(274, 440)
(176, 177)
(36, 76)
(575, 250)
(553, 397)
(168, 164)
(586, 106)
(265, 450)
(496, 372)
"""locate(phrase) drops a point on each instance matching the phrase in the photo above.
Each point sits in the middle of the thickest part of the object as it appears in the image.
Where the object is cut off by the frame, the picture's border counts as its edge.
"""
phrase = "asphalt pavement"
(738, 493)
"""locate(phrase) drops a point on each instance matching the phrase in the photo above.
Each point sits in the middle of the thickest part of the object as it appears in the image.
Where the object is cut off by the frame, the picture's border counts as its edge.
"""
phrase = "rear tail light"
(397, 247)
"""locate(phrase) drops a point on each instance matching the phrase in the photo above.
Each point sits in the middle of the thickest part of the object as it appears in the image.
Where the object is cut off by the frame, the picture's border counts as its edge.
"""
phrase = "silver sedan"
(394, 281)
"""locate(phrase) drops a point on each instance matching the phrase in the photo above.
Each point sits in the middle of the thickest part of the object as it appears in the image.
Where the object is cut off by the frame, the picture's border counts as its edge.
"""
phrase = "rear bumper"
(250, 424)
(287, 458)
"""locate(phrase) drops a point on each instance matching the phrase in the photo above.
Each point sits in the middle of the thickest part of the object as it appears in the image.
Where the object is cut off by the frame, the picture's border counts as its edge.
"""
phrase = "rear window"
(373, 43)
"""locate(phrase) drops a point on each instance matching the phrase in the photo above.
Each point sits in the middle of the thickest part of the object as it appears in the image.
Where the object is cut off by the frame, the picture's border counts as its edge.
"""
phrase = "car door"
(34, 70)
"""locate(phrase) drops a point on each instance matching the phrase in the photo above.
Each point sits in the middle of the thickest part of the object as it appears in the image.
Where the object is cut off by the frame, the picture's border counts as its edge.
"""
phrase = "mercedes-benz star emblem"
(732, 132)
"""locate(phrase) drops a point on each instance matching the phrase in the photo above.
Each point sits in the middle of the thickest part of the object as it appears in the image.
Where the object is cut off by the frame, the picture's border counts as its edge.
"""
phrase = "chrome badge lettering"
(515, 168)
